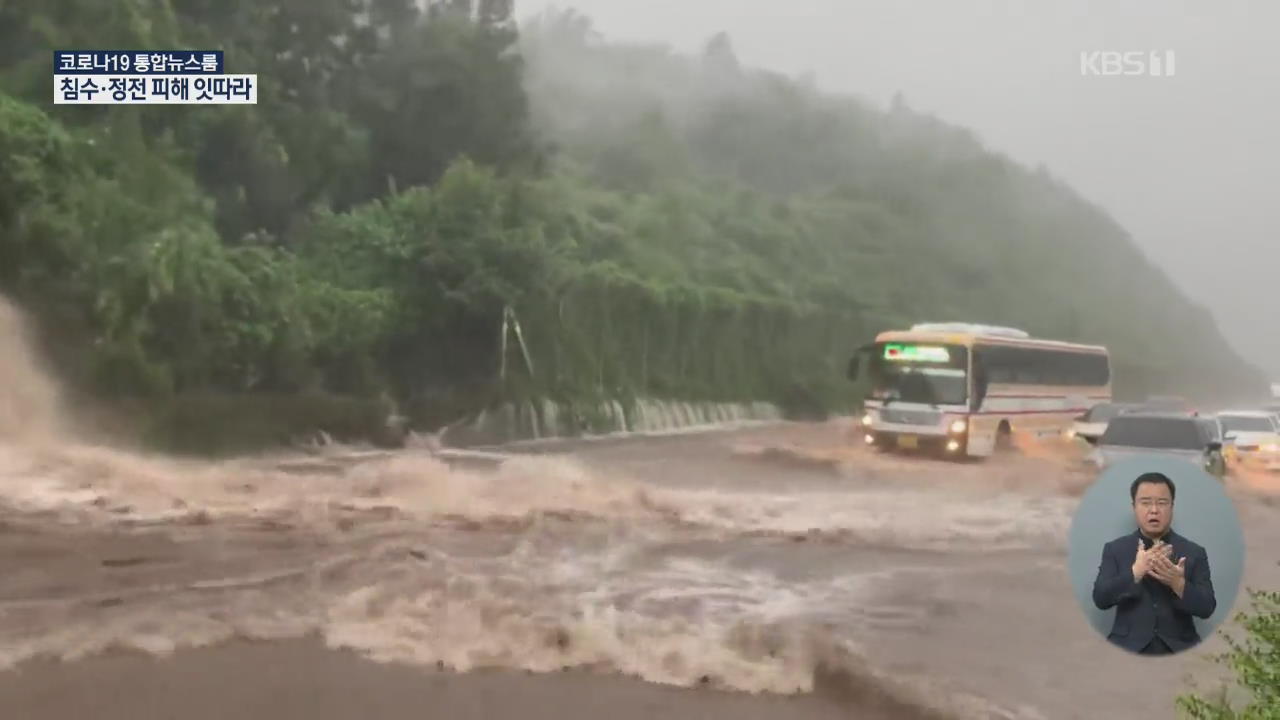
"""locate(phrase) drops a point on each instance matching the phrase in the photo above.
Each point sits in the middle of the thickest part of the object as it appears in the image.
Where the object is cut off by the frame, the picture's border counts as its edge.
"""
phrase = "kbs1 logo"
(144, 77)
(1152, 63)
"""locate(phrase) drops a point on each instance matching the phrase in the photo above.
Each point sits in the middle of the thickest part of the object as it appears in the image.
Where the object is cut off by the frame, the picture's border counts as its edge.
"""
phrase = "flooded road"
(775, 560)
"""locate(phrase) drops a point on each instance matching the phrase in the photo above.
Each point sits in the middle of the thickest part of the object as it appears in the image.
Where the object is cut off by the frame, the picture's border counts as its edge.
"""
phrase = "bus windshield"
(931, 374)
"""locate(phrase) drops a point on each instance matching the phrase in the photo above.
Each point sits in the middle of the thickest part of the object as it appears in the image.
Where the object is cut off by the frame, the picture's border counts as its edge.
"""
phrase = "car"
(1252, 438)
(1215, 425)
(1271, 407)
(1090, 426)
(1217, 434)
(1173, 434)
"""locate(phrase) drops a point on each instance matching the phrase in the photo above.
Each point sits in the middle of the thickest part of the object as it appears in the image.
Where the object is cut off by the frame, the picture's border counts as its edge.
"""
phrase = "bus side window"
(981, 382)
(1042, 367)
(1028, 366)
(1100, 370)
(1078, 369)
(1073, 368)
(995, 360)
(1065, 368)
(1081, 368)
(1052, 369)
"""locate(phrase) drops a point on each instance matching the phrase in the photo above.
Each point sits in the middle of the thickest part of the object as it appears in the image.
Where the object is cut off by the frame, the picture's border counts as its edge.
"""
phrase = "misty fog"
(1184, 163)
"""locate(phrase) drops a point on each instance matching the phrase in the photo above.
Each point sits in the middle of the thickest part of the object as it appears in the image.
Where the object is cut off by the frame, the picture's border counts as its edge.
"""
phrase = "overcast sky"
(1190, 164)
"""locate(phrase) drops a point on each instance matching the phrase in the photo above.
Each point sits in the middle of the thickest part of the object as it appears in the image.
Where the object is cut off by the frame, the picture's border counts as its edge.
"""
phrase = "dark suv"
(1194, 439)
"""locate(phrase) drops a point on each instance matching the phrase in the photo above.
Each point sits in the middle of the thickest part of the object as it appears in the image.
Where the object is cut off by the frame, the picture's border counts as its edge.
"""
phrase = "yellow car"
(1251, 438)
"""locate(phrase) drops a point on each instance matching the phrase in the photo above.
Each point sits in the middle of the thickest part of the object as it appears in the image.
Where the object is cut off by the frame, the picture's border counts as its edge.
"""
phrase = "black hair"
(1152, 477)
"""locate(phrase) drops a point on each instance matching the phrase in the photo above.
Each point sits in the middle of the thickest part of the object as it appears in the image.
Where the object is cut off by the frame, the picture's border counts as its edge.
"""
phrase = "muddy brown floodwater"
(764, 572)
(777, 571)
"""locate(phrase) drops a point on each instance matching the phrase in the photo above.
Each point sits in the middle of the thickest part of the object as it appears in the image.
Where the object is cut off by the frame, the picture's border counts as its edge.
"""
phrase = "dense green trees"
(414, 180)
(894, 214)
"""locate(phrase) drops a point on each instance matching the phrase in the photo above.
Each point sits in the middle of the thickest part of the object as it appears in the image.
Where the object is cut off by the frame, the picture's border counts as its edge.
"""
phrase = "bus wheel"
(1004, 437)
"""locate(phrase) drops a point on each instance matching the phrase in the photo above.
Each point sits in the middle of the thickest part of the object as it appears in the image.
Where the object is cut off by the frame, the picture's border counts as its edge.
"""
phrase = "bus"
(967, 390)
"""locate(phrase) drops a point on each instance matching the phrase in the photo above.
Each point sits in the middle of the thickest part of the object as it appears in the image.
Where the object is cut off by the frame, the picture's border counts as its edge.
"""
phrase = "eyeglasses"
(1161, 503)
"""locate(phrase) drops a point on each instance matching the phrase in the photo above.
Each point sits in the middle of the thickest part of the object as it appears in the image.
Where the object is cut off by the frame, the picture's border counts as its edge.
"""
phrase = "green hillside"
(894, 212)
(413, 181)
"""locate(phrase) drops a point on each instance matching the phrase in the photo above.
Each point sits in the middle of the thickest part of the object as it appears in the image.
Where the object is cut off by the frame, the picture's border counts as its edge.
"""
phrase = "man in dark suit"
(1155, 597)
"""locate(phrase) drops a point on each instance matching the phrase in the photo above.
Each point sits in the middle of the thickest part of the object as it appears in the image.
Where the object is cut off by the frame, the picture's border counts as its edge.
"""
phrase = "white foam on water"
(584, 590)
(112, 485)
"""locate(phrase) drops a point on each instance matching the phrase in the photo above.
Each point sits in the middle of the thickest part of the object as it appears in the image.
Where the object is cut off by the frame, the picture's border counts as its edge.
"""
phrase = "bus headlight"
(953, 445)
(958, 426)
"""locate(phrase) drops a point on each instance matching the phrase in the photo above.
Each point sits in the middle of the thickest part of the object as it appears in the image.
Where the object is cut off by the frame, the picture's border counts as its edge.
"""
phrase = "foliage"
(893, 213)
(1255, 663)
(417, 177)
(207, 424)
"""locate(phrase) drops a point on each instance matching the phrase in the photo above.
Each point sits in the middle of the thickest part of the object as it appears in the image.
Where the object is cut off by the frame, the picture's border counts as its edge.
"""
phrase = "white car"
(1252, 438)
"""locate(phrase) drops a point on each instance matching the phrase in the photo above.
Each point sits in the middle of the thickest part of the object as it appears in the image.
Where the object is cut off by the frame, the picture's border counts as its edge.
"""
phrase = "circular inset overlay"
(1195, 518)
